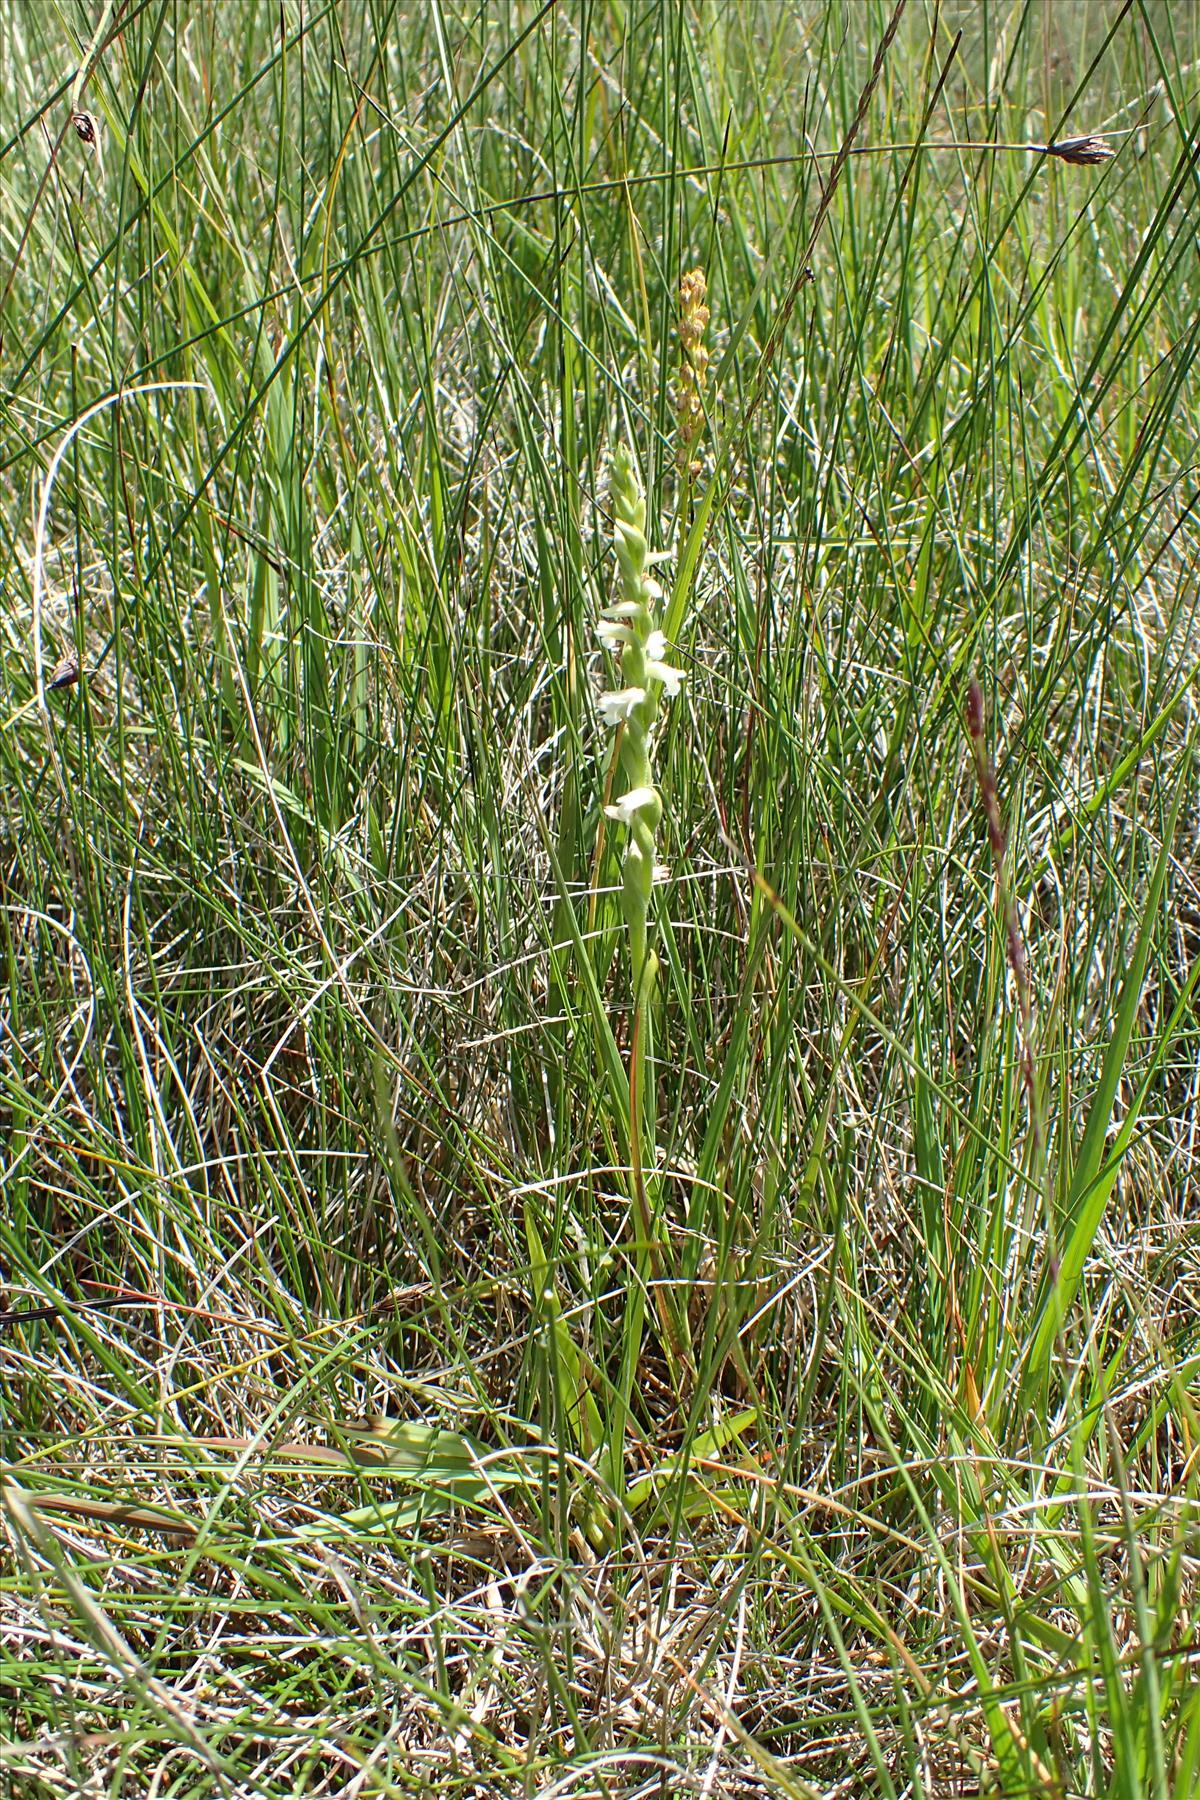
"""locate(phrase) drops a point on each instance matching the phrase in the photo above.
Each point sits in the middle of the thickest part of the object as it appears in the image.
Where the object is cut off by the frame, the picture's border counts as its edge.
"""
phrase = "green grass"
(871, 1470)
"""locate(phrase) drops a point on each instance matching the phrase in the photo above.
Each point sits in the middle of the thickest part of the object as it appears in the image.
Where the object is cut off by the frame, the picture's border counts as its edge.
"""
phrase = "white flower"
(617, 707)
(623, 609)
(671, 678)
(630, 804)
(656, 645)
(613, 636)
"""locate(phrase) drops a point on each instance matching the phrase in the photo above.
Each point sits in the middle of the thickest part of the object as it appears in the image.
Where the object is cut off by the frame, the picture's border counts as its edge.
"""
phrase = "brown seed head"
(693, 372)
(975, 709)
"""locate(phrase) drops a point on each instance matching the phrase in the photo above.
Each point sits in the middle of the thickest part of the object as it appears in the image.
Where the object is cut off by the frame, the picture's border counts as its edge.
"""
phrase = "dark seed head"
(1082, 150)
(64, 674)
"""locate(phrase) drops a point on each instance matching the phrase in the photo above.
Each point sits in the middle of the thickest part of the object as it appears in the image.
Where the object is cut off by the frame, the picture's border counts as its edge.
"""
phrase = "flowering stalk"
(630, 628)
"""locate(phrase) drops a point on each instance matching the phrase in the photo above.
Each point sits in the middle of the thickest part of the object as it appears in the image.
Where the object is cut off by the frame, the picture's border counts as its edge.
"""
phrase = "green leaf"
(445, 1465)
(708, 1444)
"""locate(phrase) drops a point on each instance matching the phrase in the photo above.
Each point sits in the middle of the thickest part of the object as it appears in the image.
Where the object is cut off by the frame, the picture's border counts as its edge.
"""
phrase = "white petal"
(617, 707)
(671, 678)
(624, 609)
(656, 645)
(612, 635)
(630, 804)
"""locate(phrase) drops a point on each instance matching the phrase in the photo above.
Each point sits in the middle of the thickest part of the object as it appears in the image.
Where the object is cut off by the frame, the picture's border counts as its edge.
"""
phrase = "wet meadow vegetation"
(599, 898)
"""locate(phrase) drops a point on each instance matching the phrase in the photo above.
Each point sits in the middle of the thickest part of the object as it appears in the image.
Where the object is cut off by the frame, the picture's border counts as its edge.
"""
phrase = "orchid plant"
(630, 629)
